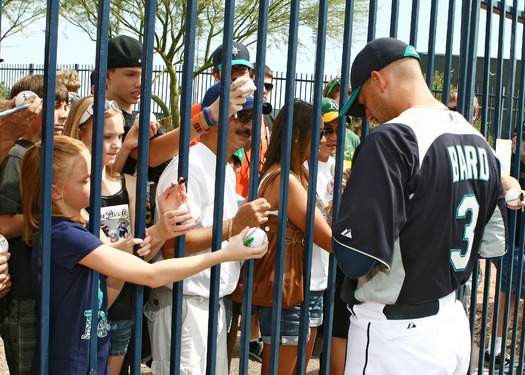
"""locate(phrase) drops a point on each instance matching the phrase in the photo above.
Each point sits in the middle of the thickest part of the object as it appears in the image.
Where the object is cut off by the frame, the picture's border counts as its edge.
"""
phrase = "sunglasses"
(244, 117)
(337, 82)
(108, 105)
(326, 131)
(268, 86)
(453, 108)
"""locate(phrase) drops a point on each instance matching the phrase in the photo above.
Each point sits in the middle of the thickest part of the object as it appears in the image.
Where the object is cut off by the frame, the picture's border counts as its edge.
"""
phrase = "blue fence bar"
(502, 104)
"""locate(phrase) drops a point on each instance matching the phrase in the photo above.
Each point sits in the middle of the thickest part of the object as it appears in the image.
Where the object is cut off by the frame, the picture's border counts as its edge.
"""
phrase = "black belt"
(422, 310)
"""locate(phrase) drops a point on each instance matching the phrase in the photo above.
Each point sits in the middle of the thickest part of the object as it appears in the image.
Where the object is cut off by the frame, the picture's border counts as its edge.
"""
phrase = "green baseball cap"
(330, 109)
(376, 55)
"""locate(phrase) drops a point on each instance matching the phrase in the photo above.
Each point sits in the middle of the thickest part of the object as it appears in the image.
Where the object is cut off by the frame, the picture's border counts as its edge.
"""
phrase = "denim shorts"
(290, 319)
(120, 336)
(515, 272)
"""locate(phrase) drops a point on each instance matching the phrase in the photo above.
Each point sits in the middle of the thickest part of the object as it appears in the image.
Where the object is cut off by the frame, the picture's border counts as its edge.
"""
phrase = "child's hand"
(173, 197)
(131, 141)
(235, 250)
(128, 245)
(174, 223)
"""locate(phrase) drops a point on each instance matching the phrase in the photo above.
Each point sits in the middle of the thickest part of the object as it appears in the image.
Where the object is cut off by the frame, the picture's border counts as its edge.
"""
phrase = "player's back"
(435, 185)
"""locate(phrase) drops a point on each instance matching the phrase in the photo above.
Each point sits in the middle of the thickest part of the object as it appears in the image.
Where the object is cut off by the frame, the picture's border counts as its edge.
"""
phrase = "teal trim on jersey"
(350, 101)
(411, 52)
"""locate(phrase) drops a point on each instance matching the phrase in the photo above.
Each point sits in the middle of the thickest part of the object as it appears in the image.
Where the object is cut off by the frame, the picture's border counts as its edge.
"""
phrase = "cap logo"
(334, 105)
(139, 61)
(235, 51)
(411, 52)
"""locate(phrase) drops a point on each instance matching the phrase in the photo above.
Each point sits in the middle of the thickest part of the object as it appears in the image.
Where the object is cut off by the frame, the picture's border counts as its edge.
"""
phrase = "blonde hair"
(73, 127)
(70, 79)
(66, 152)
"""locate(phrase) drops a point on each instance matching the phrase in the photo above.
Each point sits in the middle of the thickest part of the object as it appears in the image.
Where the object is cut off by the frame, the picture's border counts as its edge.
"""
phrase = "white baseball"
(21, 97)
(513, 197)
(248, 83)
(259, 237)
(4, 245)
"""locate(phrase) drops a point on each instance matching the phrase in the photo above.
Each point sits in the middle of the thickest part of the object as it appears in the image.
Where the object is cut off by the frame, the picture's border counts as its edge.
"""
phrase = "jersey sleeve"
(494, 239)
(387, 161)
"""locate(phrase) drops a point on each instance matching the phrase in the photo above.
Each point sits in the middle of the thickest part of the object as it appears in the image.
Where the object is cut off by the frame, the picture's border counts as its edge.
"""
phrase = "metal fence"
(496, 109)
(10, 73)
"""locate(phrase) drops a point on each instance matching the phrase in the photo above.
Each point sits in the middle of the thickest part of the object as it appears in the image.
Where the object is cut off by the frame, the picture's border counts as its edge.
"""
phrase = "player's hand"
(251, 214)
(235, 250)
(516, 205)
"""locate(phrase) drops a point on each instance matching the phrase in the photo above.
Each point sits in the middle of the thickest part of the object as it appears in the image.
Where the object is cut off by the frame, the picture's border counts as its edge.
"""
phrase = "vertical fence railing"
(501, 112)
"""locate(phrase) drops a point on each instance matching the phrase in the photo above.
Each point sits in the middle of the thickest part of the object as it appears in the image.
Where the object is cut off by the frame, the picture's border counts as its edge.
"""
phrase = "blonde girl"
(76, 254)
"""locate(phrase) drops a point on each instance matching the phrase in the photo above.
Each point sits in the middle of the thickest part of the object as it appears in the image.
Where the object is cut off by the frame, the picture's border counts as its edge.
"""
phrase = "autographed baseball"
(259, 237)
(4, 245)
(21, 97)
(513, 197)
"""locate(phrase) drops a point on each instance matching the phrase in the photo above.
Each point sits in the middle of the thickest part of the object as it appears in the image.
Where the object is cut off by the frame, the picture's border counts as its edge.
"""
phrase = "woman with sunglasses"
(117, 214)
(297, 203)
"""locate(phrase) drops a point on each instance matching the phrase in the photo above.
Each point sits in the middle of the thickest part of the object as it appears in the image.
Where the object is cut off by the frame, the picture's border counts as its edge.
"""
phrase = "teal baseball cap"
(376, 55)
(240, 56)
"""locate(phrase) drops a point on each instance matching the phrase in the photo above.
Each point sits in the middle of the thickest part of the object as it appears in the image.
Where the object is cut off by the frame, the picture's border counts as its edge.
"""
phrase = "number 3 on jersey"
(458, 259)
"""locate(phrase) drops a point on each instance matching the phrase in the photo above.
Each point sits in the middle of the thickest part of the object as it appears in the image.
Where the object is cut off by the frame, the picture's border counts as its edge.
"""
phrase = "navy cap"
(214, 92)
(124, 51)
(376, 55)
(240, 56)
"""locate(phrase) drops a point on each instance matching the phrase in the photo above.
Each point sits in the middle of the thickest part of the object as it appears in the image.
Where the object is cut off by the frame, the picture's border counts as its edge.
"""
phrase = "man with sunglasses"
(196, 289)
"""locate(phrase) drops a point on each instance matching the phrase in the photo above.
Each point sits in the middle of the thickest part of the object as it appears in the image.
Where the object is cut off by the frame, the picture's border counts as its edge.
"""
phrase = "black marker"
(182, 180)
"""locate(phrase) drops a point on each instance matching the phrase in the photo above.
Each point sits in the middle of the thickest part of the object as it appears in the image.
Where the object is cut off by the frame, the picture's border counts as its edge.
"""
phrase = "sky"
(74, 47)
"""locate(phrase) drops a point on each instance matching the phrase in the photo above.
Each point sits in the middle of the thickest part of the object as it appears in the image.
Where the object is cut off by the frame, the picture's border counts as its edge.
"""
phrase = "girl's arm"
(117, 264)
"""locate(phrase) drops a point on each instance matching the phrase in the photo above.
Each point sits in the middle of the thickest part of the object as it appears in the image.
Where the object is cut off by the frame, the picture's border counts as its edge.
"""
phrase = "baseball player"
(423, 200)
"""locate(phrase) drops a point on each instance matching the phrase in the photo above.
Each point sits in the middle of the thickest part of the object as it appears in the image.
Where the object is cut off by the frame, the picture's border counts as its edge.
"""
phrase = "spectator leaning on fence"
(77, 253)
(201, 179)
(18, 310)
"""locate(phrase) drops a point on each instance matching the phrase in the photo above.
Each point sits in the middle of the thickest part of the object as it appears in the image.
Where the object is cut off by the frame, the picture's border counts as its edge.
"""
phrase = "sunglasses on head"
(244, 117)
(268, 86)
(108, 105)
(336, 82)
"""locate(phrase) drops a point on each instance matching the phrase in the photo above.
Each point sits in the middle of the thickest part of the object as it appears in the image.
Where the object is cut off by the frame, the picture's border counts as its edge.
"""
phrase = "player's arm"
(353, 263)
(510, 183)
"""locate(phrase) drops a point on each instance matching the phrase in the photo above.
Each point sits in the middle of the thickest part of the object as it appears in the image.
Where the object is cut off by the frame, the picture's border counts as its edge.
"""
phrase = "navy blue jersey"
(424, 198)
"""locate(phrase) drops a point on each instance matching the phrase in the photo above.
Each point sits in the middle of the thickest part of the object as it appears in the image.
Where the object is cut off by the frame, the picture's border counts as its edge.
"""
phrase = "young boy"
(18, 312)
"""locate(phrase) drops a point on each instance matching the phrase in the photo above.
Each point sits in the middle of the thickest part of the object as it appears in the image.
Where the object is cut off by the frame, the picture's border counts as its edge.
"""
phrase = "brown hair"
(35, 83)
(66, 152)
(70, 79)
(301, 138)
